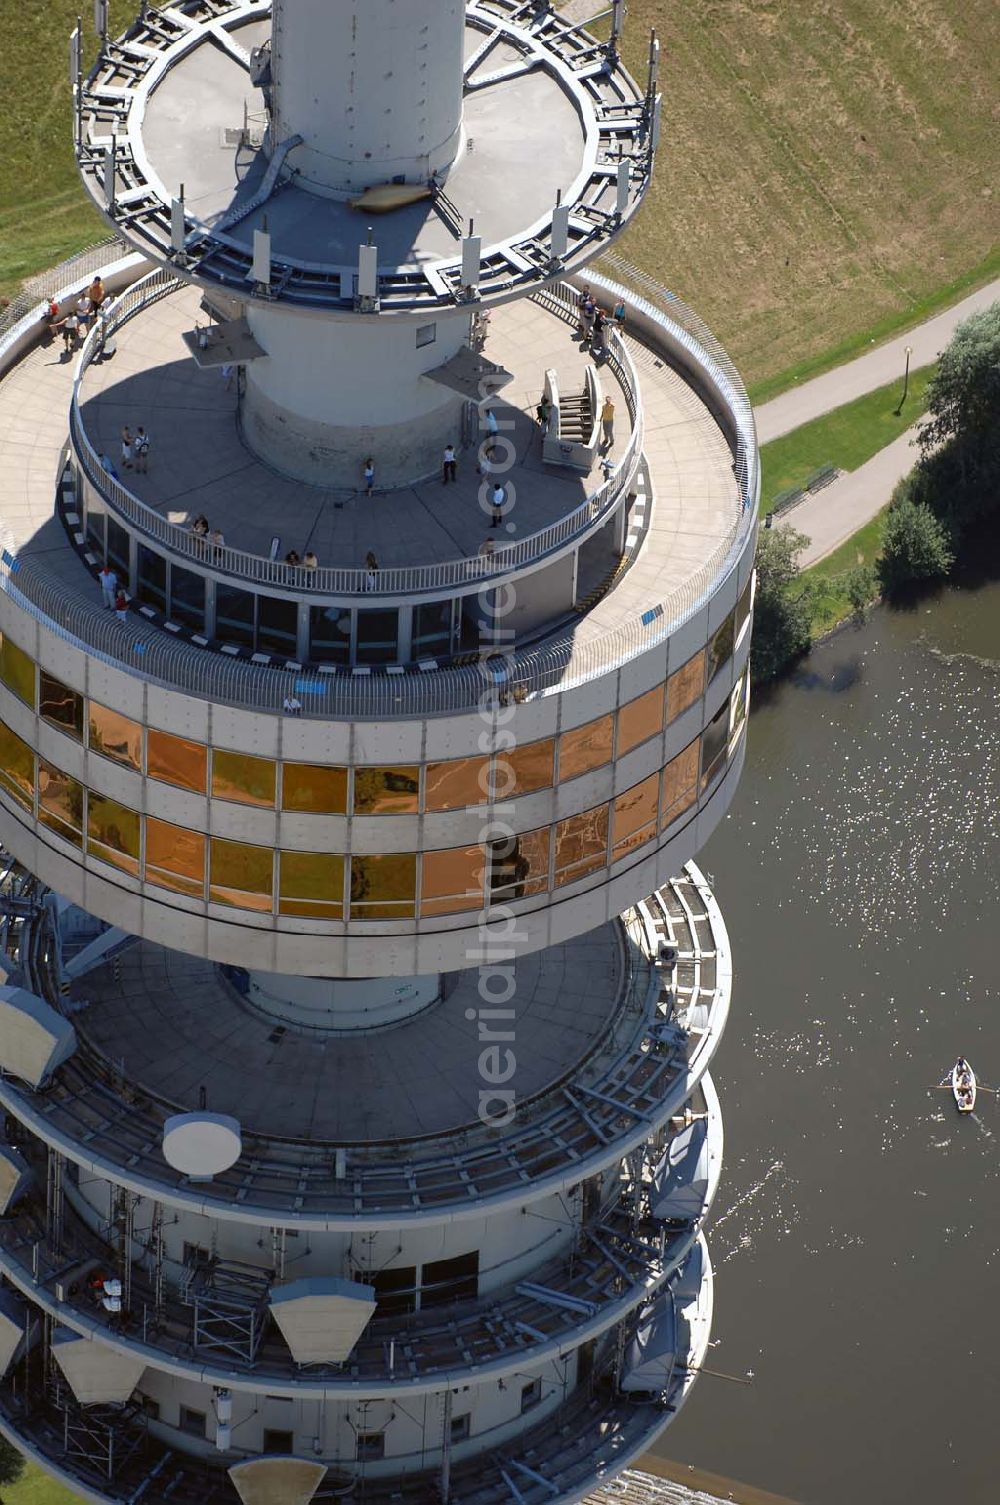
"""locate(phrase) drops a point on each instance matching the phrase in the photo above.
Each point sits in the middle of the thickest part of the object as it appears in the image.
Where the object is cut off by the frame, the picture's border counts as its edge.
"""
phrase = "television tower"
(374, 664)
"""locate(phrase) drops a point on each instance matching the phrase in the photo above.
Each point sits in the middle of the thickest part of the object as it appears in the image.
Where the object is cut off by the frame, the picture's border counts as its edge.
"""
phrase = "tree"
(963, 398)
(859, 585)
(11, 1463)
(958, 474)
(915, 544)
(782, 622)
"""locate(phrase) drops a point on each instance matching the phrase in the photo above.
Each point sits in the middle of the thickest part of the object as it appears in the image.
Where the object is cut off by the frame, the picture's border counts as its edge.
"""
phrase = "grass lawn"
(820, 183)
(845, 437)
(828, 173)
(832, 605)
(36, 1488)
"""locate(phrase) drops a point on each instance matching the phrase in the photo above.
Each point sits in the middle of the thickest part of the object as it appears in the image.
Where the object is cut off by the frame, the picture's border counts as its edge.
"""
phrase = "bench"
(821, 477)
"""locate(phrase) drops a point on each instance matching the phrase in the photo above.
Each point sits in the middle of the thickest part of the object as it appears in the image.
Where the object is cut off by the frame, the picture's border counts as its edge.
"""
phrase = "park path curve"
(876, 368)
(829, 517)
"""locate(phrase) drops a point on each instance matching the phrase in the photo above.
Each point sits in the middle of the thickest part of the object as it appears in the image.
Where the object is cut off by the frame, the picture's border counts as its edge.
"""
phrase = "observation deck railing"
(332, 580)
(150, 654)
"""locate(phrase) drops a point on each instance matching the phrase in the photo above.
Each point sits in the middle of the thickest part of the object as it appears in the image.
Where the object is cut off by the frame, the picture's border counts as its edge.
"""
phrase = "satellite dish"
(201, 1144)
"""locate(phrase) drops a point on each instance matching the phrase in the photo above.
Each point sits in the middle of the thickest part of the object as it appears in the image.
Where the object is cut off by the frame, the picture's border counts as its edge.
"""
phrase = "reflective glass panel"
(60, 802)
(113, 833)
(175, 857)
(431, 629)
(720, 649)
(456, 784)
(520, 770)
(635, 816)
(680, 784)
(118, 552)
(234, 615)
(377, 637)
(743, 606)
(311, 883)
(152, 587)
(581, 844)
(383, 888)
(60, 705)
(187, 597)
(739, 703)
(329, 635)
(520, 866)
(452, 880)
(685, 685)
(95, 531)
(242, 777)
(240, 874)
(315, 788)
(17, 670)
(277, 625)
(640, 719)
(713, 745)
(385, 791)
(176, 760)
(586, 747)
(17, 766)
(115, 736)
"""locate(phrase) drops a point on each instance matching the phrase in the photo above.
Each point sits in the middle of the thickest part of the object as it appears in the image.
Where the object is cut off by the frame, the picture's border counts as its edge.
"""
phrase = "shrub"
(860, 585)
(915, 544)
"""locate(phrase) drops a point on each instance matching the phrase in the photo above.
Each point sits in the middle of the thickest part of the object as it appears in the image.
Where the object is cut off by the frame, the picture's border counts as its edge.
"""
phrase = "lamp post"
(906, 380)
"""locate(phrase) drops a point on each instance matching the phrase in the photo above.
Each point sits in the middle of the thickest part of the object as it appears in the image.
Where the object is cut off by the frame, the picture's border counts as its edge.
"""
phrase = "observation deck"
(550, 118)
(639, 570)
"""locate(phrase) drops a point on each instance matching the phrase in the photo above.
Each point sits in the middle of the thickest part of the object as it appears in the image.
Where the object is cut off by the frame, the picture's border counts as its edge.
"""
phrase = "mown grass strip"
(845, 437)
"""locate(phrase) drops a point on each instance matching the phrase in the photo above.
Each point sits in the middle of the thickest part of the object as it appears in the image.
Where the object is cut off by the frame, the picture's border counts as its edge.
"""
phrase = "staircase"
(576, 418)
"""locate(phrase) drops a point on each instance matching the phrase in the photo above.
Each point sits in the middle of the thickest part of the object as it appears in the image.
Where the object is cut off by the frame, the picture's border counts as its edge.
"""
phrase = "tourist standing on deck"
(608, 422)
(109, 585)
(450, 472)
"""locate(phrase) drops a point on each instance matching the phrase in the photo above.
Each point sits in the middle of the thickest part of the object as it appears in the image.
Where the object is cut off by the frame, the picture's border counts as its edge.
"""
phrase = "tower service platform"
(359, 988)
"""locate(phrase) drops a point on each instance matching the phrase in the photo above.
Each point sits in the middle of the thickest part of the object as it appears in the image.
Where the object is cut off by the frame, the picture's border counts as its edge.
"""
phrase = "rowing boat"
(963, 1085)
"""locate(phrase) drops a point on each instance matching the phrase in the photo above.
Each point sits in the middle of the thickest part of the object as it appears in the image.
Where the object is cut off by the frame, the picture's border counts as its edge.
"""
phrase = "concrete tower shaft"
(373, 87)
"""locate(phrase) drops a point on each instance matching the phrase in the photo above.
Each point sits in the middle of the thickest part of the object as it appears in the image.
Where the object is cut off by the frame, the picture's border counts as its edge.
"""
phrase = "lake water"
(856, 1235)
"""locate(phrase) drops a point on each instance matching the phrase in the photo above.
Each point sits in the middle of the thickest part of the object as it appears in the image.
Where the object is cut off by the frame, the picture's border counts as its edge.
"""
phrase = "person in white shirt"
(109, 585)
(450, 470)
(498, 502)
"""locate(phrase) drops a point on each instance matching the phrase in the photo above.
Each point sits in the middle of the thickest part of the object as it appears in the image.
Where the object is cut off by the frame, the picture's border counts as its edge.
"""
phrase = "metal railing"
(149, 654)
(335, 581)
(659, 303)
(32, 301)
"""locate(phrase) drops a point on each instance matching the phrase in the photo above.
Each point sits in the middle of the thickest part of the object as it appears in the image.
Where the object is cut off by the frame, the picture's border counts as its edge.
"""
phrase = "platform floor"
(198, 462)
(694, 508)
(173, 1024)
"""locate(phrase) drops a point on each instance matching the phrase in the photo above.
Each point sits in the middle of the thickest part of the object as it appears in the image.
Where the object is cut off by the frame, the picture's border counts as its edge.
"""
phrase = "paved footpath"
(840, 509)
(875, 369)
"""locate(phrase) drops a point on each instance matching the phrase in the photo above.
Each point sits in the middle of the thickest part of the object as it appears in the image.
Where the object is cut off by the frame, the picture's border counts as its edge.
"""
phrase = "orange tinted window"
(175, 857)
(581, 844)
(452, 880)
(176, 760)
(685, 685)
(586, 747)
(635, 816)
(640, 719)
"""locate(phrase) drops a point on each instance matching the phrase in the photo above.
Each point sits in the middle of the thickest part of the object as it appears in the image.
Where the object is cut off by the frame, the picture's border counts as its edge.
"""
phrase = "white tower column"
(373, 87)
(330, 392)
